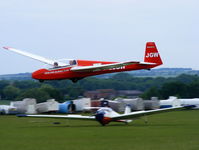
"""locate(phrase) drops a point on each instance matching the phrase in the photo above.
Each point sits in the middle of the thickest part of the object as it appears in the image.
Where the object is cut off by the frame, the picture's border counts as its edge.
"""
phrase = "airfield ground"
(167, 131)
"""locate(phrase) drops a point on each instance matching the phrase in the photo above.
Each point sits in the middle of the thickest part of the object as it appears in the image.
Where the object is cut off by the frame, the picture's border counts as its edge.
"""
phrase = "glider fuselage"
(66, 73)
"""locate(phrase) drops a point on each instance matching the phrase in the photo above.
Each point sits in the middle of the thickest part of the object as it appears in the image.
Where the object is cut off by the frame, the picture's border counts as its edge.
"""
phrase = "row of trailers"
(29, 106)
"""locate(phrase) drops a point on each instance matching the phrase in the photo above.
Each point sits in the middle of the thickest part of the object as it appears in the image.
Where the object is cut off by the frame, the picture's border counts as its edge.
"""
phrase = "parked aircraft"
(79, 69)
(105, 115)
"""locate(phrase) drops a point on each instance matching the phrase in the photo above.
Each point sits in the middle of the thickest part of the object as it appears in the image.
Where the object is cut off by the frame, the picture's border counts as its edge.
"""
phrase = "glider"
(79, 69)
(105, 115)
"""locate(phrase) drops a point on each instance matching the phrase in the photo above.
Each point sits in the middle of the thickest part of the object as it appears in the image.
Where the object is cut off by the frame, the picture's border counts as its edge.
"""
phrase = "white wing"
(78, 117)
(142, 113)
(102, 67)
(36, 57)
(107, 66)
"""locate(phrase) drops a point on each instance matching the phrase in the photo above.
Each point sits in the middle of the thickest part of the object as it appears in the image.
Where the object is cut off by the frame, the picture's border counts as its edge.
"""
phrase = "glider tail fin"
(151, 54)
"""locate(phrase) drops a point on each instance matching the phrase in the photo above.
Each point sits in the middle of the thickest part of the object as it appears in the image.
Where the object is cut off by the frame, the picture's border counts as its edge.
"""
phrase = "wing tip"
(7, 48)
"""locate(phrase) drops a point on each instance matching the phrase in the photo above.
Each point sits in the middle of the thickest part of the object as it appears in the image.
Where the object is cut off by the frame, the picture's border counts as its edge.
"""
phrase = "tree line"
(183, 86)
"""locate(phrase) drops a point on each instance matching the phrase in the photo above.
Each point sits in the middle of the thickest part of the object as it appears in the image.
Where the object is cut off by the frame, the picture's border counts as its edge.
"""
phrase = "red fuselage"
(151, 60)
(65, 72)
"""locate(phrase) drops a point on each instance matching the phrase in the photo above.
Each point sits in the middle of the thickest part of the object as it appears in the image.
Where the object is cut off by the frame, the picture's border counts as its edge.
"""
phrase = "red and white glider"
(79, 69)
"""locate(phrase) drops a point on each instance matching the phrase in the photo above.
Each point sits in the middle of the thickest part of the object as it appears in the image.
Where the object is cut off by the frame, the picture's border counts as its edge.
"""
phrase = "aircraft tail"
(151, 54)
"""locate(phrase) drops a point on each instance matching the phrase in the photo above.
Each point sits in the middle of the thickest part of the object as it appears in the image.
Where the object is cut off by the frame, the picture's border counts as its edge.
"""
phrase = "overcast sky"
(110, 30)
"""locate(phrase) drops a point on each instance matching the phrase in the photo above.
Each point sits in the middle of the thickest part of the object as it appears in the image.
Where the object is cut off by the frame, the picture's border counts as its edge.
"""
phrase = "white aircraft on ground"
(105, 115)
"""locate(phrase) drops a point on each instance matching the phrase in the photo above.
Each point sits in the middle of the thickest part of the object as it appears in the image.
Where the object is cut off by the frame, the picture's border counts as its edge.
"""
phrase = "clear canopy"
(67, 62)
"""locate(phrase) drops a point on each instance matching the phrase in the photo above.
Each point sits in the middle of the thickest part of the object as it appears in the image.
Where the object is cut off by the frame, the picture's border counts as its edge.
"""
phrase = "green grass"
(168, 131)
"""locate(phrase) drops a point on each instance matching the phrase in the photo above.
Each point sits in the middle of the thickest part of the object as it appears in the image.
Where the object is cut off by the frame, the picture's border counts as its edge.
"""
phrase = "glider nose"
(101, 119)
(38, 74)
(35, 75)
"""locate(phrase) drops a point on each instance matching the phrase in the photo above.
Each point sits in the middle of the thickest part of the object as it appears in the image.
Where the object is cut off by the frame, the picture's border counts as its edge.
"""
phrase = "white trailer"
(151, 104)
(48, 106)
(135, 104)
(23, 106)
(193, 101)
(117, 106)
(81, 104)
(171, 102)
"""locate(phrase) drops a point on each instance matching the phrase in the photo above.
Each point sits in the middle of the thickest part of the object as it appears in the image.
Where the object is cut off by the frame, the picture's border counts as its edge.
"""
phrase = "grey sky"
(112, 30)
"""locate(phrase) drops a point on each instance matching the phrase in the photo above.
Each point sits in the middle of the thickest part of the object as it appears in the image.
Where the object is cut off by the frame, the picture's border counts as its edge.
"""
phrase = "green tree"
(74, 91)
(122, 77)
(185, 78)
(152, 92)
(193, 89)
(10, 92)
(174, 89)
(3, 84)
(52, 92)
(36, 93)
(27, 84)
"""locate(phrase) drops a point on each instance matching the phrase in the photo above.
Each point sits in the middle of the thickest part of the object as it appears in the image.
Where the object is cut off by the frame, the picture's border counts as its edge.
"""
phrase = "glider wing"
(77, 117)
(138, 114)
(102, 67)
(36, 57)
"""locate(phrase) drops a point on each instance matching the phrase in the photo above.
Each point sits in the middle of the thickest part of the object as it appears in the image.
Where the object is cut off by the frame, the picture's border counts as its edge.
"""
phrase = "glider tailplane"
(151, 54)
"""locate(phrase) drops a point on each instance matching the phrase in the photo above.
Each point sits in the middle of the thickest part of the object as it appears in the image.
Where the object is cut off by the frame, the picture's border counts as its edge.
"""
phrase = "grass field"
(177, 130)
